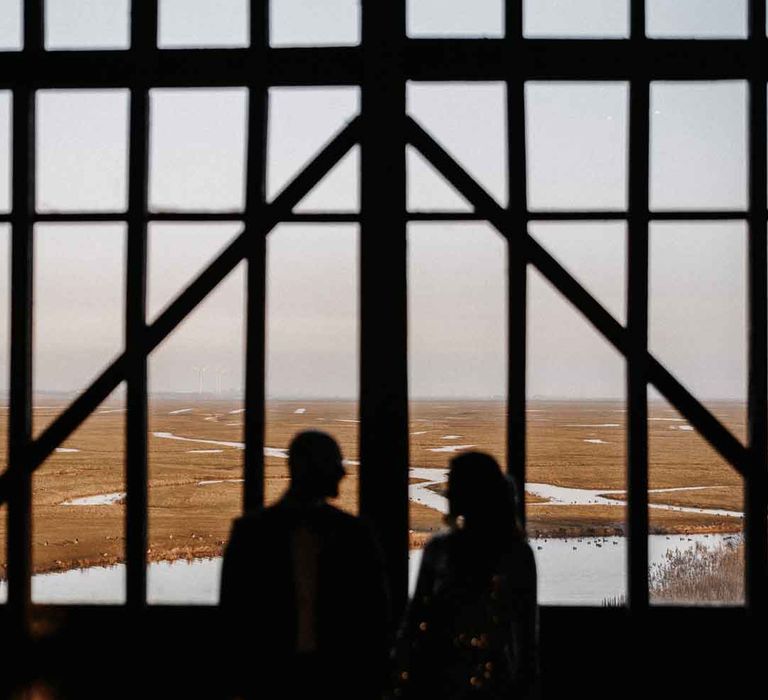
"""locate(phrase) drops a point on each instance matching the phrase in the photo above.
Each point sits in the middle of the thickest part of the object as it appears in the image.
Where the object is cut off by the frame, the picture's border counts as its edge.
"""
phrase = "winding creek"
(574, 571)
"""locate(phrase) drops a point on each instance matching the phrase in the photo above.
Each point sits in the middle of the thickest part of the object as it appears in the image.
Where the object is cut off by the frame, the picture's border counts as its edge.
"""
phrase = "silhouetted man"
(303, 595)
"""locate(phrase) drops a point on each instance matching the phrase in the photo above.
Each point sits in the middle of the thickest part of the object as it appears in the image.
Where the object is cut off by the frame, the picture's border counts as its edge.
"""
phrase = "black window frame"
(380, 66)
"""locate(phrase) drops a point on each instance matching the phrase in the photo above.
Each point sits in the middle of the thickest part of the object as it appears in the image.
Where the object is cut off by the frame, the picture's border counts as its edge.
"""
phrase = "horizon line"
(237, 396)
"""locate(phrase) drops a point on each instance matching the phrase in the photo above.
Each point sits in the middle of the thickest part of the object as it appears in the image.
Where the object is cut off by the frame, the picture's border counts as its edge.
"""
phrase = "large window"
(568, 157)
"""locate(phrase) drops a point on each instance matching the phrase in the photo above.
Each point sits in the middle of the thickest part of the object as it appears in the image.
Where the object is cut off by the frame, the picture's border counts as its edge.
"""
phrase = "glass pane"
(456, 360)
(204, 23)
(698, 306)
(196, 430)
(469, 121)
(428, 190)
(576, 18)
(314, 22)
(82, 150)
(312, 347)
(576, 422)
(698, 145)
(11, 25)
(338, 190)
(3, 534)
(5, 291)
(577, 146)
(696, 545)
(197, 149)
(701, 19)
(178, 253)
(455, 18)
(301, 122)
(594, 252)
(5, 150)
(5, 319)
(79, 309)
(87, 24)
(78, 510)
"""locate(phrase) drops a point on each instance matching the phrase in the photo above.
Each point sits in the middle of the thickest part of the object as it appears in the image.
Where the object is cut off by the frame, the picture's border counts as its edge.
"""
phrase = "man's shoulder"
(279, 518)
(338, 519)
(338, 515)
(255, 520)
(279, 513)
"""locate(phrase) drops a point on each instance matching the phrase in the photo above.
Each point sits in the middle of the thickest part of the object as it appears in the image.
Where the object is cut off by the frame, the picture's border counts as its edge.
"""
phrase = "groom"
(303, 594)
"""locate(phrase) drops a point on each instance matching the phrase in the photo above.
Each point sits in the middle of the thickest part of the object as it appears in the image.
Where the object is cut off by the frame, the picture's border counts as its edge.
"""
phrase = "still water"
(583, 571)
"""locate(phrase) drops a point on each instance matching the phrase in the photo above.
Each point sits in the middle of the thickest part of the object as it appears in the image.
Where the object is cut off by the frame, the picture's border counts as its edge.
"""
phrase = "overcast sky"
(576, 139)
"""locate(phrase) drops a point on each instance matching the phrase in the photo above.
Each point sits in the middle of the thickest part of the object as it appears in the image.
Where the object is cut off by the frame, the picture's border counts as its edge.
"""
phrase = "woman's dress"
(471, 628)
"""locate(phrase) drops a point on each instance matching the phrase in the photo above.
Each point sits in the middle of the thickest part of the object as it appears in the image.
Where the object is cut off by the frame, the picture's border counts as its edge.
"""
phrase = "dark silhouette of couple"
(305, 605)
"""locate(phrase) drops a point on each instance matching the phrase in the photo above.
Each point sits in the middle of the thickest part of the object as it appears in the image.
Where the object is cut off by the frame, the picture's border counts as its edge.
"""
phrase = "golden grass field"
(188, 519)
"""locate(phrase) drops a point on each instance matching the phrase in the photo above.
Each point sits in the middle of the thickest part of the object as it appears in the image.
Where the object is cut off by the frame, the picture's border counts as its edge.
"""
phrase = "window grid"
(381, 65)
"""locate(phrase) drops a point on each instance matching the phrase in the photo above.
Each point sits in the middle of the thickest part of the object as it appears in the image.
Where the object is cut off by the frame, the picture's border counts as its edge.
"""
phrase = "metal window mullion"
(19, 545)
(19, 532)
(383, 291)
(637, 20)
(136, 372)
(756, 481)
(517, 263)
(256, 271)
(637, 346)
(143, 39)
(426, 59)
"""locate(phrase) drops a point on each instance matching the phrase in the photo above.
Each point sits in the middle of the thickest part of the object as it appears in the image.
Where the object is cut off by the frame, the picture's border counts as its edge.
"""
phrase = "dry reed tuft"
(700, 575)
(696, 576)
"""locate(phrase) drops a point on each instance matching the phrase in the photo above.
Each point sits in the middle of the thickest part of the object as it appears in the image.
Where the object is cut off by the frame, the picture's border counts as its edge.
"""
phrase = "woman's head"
(481, 495)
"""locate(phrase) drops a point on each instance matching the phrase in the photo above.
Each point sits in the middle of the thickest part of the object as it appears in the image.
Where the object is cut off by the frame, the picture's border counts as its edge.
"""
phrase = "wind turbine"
(219, 376)
(200, 378)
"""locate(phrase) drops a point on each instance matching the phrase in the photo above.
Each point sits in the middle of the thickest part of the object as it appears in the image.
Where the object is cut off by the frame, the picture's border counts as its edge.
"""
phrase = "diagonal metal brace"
(710, 428)
(280, 208)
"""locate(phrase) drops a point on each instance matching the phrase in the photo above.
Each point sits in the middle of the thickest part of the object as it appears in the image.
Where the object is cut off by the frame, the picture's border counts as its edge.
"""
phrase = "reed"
(700, 575)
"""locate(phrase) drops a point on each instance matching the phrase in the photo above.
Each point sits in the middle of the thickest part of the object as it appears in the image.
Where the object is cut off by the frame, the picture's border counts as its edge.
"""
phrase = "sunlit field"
(575, 477)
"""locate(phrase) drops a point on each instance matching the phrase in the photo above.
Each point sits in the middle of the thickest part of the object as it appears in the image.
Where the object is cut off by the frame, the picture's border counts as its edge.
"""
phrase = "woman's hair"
(482, 496)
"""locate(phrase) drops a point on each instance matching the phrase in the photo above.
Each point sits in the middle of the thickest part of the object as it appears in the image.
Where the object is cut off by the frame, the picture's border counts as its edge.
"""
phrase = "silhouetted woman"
(471, 628)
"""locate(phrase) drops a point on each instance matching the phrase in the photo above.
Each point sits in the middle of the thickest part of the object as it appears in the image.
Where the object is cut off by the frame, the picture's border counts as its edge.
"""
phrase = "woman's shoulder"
(516, 546)
(521, 547)
(518, 564)
(443, 542)
(437, 544)
(440, 539)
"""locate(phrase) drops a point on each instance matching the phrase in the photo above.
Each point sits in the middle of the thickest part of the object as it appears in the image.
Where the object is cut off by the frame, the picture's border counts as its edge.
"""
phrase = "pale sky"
(576, 141)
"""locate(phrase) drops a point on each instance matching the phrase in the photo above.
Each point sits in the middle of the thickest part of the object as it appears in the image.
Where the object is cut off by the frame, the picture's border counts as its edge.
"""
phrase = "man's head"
(314, 460)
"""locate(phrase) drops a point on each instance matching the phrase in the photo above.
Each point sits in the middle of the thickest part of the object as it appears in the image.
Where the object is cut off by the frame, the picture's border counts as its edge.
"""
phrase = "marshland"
(575, 494)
